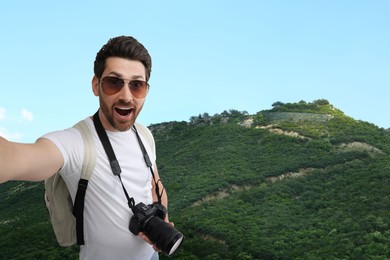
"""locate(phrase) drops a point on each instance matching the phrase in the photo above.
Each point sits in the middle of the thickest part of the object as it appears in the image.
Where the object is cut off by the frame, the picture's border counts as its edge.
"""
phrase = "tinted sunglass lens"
(138, 88)
(112, 85)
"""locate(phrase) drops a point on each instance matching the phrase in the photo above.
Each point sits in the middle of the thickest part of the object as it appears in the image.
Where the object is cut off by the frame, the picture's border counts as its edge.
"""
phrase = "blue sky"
(208, 56)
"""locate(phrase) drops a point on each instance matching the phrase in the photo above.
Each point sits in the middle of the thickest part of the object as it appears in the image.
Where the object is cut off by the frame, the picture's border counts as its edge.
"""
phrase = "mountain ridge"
(282, 183)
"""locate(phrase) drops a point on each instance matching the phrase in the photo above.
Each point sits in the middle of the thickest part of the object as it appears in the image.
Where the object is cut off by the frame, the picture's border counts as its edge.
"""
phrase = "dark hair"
(123, 47)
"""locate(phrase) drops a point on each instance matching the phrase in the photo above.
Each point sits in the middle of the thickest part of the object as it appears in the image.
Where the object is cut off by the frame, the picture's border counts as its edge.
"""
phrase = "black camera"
(150, 220)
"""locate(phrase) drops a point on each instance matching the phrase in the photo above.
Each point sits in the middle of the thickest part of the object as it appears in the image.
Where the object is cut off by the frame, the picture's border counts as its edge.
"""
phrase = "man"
(122, 69)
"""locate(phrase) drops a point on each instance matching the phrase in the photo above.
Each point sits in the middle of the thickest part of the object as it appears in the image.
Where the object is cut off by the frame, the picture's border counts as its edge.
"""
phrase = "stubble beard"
(108, 113)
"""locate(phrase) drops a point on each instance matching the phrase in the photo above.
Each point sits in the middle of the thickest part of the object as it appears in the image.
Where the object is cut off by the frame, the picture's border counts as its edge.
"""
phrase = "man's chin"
(123, 126)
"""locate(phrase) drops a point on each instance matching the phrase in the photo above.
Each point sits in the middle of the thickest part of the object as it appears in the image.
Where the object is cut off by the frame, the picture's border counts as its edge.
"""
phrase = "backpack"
(67, 229)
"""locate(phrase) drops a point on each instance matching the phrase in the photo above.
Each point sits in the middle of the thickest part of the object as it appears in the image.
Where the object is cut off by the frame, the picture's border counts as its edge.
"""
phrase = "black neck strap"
(115, 167)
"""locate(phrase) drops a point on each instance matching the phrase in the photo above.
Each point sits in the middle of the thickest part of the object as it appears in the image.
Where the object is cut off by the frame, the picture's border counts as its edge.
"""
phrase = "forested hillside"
(298, 181)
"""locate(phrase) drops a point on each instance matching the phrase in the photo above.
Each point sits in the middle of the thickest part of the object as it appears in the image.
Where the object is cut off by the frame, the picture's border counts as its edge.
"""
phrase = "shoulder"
(144, 132)
(69, 142)
(66, 137)
(140, 127)
(146, 135)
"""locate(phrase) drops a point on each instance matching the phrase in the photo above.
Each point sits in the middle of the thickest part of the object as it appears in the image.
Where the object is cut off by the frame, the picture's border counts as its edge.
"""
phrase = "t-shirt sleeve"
(71, 146)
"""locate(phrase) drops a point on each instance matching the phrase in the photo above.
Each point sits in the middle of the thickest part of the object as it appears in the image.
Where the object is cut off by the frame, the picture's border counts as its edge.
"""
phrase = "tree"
(277, 104)
(321, 102)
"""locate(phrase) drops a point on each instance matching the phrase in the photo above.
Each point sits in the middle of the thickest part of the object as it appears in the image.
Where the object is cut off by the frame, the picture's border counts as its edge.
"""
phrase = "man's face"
(119, 111)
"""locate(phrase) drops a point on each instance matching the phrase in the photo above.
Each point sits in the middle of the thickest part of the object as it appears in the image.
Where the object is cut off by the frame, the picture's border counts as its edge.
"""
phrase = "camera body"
(149, 219)
(142, 215)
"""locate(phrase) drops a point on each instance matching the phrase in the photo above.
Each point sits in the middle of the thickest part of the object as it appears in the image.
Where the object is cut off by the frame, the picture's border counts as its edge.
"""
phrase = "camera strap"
(114, 164)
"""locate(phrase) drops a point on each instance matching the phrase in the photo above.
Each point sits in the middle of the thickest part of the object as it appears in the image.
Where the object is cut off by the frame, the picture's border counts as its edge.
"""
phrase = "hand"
(147, 240)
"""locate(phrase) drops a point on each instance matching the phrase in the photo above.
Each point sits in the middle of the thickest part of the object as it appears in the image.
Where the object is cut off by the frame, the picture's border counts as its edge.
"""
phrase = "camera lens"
(165, 236)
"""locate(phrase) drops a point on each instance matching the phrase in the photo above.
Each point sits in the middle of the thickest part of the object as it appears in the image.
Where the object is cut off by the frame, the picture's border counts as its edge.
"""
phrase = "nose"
(125, 93)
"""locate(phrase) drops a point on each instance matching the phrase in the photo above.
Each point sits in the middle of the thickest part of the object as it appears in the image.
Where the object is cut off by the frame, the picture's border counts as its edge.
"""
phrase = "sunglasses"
(112, 85)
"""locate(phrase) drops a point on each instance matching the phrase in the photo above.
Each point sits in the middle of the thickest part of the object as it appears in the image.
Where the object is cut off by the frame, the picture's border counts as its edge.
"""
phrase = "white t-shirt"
(106, 212)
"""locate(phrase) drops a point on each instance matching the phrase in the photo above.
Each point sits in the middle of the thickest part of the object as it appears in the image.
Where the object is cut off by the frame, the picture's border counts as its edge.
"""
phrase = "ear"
(95, 86)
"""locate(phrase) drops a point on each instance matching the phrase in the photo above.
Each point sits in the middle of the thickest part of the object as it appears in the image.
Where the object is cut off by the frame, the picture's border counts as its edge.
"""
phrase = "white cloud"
(9, 122)
(27, 115)
(2, 113)
(9, 136)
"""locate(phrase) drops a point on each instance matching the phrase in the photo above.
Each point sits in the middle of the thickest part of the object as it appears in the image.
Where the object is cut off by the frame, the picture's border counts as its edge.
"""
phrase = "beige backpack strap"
(89, 161)
(57, 198)
(145, 132)
(88, 166)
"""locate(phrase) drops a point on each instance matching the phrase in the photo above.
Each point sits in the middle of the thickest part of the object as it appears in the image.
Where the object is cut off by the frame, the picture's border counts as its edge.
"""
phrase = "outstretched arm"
(30, 162)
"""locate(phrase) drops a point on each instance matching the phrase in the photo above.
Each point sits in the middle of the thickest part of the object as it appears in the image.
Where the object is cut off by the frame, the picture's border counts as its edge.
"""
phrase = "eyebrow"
(119, 75)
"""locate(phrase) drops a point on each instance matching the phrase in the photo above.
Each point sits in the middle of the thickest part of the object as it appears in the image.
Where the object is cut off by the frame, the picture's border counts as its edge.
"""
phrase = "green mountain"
(298, 181)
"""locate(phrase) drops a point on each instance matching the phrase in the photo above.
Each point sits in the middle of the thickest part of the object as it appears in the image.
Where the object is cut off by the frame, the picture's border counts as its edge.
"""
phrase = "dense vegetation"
(298, 181)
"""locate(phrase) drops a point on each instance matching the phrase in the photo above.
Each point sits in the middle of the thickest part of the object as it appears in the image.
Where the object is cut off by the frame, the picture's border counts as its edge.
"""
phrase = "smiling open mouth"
(123, 111)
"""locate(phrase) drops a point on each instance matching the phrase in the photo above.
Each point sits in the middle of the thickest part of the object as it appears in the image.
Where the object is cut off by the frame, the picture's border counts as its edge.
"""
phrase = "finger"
(145, 238)
(155, 248)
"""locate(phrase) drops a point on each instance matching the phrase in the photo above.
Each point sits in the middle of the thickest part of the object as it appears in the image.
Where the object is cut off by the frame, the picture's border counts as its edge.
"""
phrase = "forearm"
(164, 201)
(29, 162)
(8, 160)
(161, 190)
